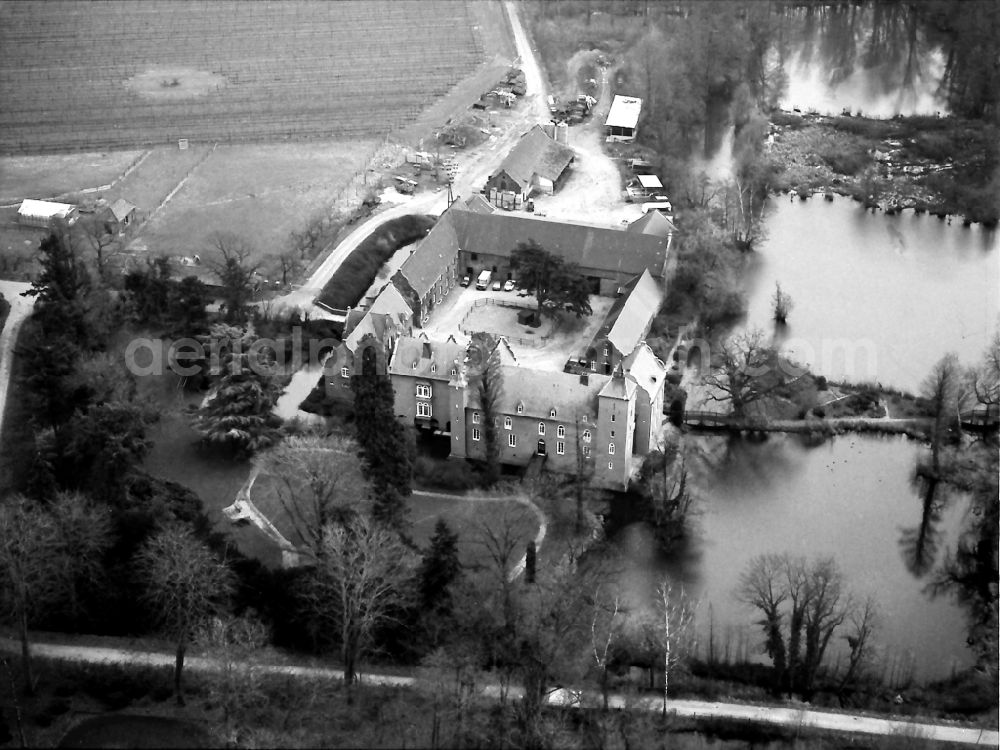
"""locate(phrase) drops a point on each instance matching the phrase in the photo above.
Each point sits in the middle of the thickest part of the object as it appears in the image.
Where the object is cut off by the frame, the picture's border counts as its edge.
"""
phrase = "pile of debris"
(572, 112)
(505, 93)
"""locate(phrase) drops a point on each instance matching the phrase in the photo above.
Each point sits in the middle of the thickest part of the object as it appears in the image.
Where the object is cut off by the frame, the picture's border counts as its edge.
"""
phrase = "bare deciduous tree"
(984, 380)
(747, 371)
(30, 568)
(943, 389)
(233, 264)
(318, 481)
(670, 629)
(360, 582)
(605, 630)
(863, 621)
(235, 643)
(185, 584)
(84, 534)
(802, 606)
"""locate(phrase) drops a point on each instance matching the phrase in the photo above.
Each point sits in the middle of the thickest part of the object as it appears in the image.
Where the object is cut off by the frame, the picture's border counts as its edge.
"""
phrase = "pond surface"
(851, 499)
(874, 59)
(876, 297)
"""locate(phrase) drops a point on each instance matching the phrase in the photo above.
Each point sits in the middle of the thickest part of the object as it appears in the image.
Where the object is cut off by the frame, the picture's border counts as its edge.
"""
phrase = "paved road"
(20, 308)
(791, 717)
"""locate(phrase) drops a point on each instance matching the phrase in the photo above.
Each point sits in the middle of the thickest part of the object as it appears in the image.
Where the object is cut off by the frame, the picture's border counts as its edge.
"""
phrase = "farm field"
(150, 72)
(51, 175)
(260, 192)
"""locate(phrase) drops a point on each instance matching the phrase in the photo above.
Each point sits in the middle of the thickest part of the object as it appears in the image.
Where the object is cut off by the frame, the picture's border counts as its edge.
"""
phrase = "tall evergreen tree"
(439, 568)
(385, 447)
(240, 415)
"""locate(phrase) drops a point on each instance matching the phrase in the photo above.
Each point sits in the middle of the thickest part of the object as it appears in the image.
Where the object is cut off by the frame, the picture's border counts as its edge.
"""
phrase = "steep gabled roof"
(539, 392)
(640, 306)
(121, 208)
(431, 256)
(422, 358)
(618, 386)
(536, 153)
(477, 204)
(604, 248)
(654, 223)
(646, 369)
(390, 302)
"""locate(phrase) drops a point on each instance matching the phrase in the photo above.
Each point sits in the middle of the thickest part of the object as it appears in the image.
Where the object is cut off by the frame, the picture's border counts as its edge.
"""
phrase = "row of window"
(512, 442)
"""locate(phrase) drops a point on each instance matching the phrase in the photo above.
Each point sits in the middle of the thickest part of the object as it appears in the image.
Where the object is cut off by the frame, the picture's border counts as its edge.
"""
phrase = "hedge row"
(360, 268)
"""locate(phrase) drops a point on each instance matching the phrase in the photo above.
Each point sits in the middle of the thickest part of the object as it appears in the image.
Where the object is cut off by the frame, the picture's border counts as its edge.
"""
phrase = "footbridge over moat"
(717, 421)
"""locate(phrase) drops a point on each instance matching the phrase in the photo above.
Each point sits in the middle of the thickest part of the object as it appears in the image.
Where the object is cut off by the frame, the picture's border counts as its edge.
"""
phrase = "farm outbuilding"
(536, 164)
(42, 214)
(623, 118)
(122, 212)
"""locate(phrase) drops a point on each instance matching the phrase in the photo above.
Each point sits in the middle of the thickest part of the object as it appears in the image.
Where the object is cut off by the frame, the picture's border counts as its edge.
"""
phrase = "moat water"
(851, 498)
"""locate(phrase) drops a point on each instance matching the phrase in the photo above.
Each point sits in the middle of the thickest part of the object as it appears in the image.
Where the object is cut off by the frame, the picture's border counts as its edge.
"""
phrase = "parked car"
(523, 292)
(496, 285)
(509, 286)
(466, 281)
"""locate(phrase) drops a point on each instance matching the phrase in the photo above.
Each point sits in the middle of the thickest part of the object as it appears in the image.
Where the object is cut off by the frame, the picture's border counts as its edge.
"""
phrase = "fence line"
(468, 331)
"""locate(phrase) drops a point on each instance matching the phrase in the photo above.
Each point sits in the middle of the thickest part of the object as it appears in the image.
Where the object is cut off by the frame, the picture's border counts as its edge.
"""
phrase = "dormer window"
(413, 366)
(520, 408)
(434, 368)
(552, 413)
(454, 372)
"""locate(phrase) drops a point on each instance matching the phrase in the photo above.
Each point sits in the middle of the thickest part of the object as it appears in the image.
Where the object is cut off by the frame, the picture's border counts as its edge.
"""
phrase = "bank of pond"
(853, 498)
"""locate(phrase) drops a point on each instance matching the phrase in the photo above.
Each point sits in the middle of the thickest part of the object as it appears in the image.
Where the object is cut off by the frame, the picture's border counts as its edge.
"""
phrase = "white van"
(483, 282)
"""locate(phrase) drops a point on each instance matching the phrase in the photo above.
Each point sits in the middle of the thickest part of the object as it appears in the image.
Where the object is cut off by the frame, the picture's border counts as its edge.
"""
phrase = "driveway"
(20, 308)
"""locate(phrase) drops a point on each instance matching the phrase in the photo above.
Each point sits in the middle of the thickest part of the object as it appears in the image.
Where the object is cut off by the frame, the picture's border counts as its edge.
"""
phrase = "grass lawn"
(47, 176)
(176, 456)
(467, 517)
(261, 192)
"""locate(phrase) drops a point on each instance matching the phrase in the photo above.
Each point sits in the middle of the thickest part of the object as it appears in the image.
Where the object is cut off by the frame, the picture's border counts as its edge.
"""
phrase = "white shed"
(34, 213)
(623, 118)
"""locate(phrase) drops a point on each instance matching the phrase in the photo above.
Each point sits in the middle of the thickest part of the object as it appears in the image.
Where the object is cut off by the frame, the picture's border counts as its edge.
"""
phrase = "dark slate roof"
(536, 153)
(434, 360)
(606, 249)
(540, 391)
(431, 256)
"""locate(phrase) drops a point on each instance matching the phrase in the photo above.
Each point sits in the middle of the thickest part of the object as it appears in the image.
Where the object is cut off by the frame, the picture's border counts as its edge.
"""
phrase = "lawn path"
(543, 525)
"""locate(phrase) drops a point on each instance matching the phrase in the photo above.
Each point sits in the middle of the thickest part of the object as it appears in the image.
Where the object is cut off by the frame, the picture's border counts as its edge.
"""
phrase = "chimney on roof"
(584, 378)
(426, 352)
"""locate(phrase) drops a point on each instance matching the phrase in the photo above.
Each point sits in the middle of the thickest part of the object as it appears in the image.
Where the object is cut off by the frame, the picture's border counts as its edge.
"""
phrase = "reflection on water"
(876, 297)
(874, 58)
(850, 498)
